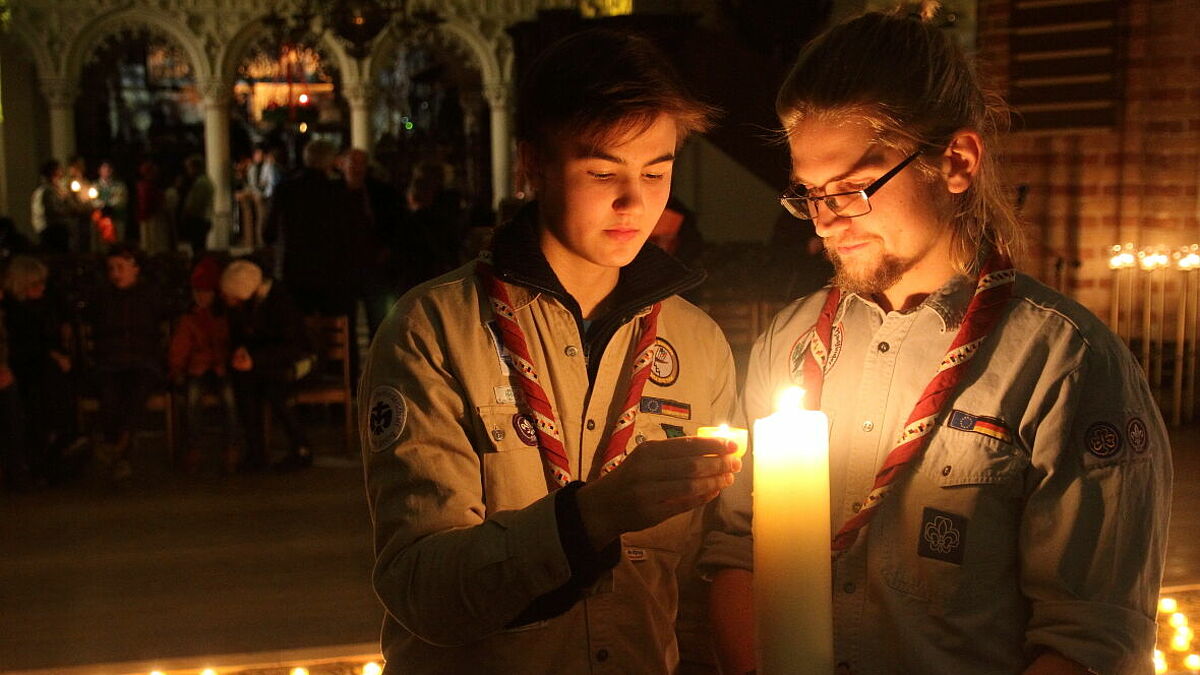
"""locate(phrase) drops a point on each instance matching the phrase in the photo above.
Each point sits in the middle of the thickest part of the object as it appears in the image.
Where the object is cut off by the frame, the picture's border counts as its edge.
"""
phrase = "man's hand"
(658, 479)
(241, 360)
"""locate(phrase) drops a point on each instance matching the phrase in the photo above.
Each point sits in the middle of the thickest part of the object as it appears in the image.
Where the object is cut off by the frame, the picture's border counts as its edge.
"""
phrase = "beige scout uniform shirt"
(1037, 514)
(465, 531)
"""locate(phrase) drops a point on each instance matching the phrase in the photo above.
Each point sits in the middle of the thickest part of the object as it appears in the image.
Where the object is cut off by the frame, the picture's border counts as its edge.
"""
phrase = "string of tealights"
(369, 668)
(1175, 629)
(1151, 258)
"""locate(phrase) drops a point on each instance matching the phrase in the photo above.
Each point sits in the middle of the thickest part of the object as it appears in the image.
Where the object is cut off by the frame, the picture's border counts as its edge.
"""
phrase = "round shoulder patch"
(523, 425)
(386, 415)
(664, 369)
(1138, 434)
(1103, 440)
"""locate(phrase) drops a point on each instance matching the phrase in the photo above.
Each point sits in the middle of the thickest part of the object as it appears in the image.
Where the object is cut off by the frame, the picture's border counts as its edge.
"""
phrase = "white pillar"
(60, 98)
(216, 159)
(498, 97)
(358, 95)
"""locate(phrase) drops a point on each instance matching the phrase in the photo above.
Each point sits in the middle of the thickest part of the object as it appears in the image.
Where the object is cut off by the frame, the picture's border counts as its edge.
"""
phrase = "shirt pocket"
(513, 474)
(670, 535)
(949, 535)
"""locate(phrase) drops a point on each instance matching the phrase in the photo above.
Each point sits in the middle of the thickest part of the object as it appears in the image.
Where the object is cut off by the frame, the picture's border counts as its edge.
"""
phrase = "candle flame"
(75, 186)
(791, 398)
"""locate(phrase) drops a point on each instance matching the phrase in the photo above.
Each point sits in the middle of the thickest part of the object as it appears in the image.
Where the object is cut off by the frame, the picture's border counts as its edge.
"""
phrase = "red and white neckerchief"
(992, 292)
(554, 455)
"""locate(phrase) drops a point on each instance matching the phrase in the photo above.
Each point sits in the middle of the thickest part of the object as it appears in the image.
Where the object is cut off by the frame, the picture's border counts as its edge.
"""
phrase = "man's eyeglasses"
(845, 204)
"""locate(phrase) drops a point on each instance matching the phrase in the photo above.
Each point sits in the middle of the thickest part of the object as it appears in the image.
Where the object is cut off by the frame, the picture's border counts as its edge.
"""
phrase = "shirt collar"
(653, 275)
(949, 301)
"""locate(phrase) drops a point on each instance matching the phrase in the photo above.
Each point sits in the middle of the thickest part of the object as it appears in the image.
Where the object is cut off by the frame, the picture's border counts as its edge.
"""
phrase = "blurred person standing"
(154, 227)
(372, 217)
(53, 217)
(112, 198)
(307, 224)
(195, 212)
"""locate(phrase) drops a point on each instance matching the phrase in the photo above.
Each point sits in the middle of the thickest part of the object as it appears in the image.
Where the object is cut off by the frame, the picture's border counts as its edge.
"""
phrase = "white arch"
(485, 56)
(86, 41)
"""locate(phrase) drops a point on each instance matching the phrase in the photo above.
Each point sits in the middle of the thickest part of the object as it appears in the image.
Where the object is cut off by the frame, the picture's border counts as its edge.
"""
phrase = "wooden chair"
(329, 382)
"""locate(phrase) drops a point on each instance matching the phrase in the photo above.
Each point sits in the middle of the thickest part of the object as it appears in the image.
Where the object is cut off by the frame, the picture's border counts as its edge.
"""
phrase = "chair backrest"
(330, 337)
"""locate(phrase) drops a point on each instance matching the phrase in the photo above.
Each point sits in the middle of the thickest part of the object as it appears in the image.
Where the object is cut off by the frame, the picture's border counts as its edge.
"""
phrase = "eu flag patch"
(662, 406)
(988, 426)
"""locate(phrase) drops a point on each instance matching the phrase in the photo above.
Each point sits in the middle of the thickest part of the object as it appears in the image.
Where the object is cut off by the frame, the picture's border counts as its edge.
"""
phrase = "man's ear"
(961, 160)
(528, 170)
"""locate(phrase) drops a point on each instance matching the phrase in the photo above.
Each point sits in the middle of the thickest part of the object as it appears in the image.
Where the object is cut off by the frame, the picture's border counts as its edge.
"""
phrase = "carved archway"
(134, 19)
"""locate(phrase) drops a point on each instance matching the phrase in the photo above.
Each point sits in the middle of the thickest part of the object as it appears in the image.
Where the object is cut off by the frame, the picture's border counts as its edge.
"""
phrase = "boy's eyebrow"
(600, 154)
(871, 157)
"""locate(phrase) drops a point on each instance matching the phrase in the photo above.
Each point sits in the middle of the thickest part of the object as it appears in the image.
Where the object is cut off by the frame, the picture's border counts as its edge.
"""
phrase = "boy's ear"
(962, 159)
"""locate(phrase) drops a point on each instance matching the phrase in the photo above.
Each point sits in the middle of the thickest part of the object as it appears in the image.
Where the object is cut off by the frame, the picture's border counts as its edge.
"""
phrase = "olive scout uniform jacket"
(481, 568)
(1036, 516)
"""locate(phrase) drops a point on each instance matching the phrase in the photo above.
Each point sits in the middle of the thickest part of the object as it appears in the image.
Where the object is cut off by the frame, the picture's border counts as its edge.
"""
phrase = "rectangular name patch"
(662, 406)
(988, 426)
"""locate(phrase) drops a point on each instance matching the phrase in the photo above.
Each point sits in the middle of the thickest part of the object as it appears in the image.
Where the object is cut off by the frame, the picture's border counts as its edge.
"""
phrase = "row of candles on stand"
(1139, 314)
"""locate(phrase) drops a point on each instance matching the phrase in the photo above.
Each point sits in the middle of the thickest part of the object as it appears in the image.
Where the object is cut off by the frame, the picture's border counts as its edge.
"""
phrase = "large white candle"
(793, 595)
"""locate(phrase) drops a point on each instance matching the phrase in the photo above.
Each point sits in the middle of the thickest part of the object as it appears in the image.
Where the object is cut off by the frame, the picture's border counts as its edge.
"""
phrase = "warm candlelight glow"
(739, 436)
(372, 668)
(793, 584)
(1180, 643)
(75, 186)
(1188, 261)
(1168, 605)
(304, 127)
(1153, 259)
(1177, 619)
(1160, 661)
(208, 671)
(1192, 662)
(93, 193)
(299, 671)
(1122, 257)
(303, 99)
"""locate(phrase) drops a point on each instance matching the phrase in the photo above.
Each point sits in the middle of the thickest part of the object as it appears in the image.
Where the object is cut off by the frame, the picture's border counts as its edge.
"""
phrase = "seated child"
(126, 316)
(198, 361)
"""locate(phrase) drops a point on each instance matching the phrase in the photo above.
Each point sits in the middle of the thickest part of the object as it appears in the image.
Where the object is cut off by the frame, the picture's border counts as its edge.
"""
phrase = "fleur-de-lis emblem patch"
(942, 536)
(386, 414)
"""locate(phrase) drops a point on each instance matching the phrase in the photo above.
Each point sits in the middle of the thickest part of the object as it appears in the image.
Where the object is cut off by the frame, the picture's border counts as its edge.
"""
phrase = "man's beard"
(874, 279)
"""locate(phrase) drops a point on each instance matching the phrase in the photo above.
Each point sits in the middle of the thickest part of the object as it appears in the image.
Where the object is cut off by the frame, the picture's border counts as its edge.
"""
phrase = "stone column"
(499, 96)
(217, 161)
(358, 95)
(60, 97)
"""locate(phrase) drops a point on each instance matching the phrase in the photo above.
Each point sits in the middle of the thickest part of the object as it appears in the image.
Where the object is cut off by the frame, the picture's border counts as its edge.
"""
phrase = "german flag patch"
(988, 426)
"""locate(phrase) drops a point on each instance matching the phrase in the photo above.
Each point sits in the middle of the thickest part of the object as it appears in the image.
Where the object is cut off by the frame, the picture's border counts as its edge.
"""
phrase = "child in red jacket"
(197, 360)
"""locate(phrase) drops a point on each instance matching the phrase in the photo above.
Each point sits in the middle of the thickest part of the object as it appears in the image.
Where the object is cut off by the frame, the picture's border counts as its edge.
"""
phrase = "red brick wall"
(1137, 182)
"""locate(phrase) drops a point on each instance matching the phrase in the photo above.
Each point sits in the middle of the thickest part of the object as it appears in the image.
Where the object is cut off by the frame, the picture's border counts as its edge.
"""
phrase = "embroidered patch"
(673, 430)
(942, 536)
(662, 406)
(796, 358)
(386, 415)
(1138, 435)
(635, 554)
(505, 395)
(523, 425)
(502, 354)
(1103, 440)
(988, 426)
(836, 338)
(664, 369)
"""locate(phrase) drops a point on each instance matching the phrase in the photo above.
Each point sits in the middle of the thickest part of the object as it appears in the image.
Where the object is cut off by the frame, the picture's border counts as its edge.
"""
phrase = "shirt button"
(602, 655)
(946, 470)
(868, 425)
(848, 587)
(883, 346)
(498, 434)
(639, 439)
(571, 350)
(591, 424)
(856, 507)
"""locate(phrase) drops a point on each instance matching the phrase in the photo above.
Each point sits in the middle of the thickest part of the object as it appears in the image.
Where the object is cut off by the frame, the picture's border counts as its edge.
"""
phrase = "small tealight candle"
(729, 433)
(1168, 605)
